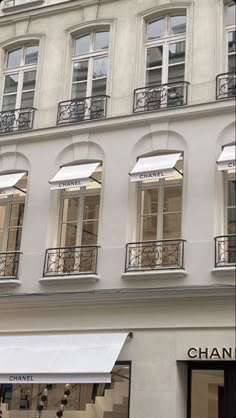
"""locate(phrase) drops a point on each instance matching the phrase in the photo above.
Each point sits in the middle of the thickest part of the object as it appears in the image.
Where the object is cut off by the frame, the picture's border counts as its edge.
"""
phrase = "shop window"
(19, 88)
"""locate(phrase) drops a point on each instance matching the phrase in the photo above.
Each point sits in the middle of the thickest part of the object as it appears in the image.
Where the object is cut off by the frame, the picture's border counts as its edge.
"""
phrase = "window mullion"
(80, 219)
(19, 89)
(90, 77)
(165, 63)
(160, 211)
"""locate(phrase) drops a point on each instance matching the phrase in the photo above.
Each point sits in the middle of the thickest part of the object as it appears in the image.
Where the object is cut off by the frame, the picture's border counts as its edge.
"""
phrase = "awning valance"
(8, 181)
(67, 358)
(150, 168)
(73, 176)
(227, 158)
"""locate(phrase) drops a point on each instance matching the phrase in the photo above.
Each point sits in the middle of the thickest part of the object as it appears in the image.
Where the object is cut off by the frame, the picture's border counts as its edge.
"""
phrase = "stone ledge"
(9, 282)
(80, 278)
(224, 271)
(152, 275)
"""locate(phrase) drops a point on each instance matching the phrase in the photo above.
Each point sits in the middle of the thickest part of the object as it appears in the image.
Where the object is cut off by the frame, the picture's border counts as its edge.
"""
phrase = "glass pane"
(1, 240)
(14, 238)
(171, 225)
(11, 83)
(231, 195)
(154, 56)
(156, 29)
(100, 67)
(17, 213)
(99, 87)
(70, 209)
(176, 52)
(232, 63)
(231, 14)
(149, 201)
(207, 393)
(91, 207)
(14, 58)
(89, 233)
(177, 24)
(154, 77)
(79, 90)
(80, 71)
(82, 45)
(101, 40)
(2, 216)
(231, 41)
(27, 99)
(176, 73)
(9, 102)
(172, 199)
(68, 235)
(31, 55)
(29, 80)
(231, 227)
(148, 228)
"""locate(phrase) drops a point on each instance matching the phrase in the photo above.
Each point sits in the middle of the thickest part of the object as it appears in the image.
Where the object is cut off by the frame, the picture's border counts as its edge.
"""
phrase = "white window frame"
(8, 202)
(165, 41)
(20, 70)
(229, 28)
(90, 57)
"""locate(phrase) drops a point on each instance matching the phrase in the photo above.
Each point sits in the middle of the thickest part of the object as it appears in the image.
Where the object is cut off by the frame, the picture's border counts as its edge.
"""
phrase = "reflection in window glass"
(176, 52)
(31, 55)
(29, 80)
(231, 14)
(100, 68)
(82, 45)
(177, 24)
(27, 99)
(80, 71)
(154, 77)
(232, 41)
(99, 87)
(176, 73)
(207, 393)
(156, 29)
(11, 83)
(154, 56)
(14, 58)
(9, 102)
(101, 40)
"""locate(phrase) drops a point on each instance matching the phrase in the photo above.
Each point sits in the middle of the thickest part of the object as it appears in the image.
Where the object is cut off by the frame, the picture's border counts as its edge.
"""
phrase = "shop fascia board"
(124, 121)
(113, 297)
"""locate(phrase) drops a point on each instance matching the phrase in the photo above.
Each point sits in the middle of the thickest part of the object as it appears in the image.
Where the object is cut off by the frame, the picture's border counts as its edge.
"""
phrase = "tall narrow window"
(231, 37)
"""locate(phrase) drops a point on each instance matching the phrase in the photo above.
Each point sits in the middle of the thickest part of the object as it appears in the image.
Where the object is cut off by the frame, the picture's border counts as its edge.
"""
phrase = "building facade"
(117, 208)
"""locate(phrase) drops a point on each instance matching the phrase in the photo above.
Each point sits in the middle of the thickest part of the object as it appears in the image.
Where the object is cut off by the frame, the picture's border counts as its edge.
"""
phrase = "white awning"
(8, 181)
(150, 168)
(227, 158)
(73, 176)
(67, 358)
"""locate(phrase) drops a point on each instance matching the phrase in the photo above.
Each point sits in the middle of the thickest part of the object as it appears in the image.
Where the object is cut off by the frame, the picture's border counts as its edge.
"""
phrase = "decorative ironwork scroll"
(16, 120)
(9, 263)
(225, 86)
(225, 251)
(154, 255)
(70, 260)
(79, 110)
(162, 96)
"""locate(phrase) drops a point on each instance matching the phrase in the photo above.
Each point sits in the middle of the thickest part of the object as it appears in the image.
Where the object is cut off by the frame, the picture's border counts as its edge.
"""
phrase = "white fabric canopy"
(67, 358)
(150, 168)
(73, 176)
(227, 158)
(8, 181)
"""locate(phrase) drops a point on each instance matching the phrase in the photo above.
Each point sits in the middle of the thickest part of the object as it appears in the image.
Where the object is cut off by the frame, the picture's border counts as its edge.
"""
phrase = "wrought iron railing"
(9, 264)
(225, 251)
(225, 86)
(16, 120)
(71, 261)
(155, 255)
(79, 110)
(161, 96)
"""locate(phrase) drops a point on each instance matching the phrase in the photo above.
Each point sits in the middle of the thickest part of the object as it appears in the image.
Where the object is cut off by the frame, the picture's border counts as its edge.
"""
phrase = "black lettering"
(226, 352)
(203, 353)
(215, 353)
(190, 352)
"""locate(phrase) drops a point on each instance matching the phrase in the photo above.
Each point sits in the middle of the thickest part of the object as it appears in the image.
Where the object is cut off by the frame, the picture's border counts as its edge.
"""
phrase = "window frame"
(228, 28)
(8, 202)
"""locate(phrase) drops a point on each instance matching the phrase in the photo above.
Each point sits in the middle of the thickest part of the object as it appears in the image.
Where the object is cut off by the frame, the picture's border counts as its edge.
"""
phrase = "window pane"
(99, 87)
(154, 56)
(177, 24)
(172, 199)
(11, 83)
(100, 67)
(27, 99)
(231, 201)
(89, 233)
(68, 234)
(148, 228)
(231, 14)
(232, 63)
(176, 52)
(171, 225)
(70, 209)
(82, 45)
(17, 213)
(176, 73)
(154, 77)
(31, 56)
(101, 40)
(91, 207)
(79, 90)
(231, 221)
(149, 201)
(14, 58)
(14, 238)
(80, 71)
(1, 240)
(2, 216)
(29, 80)
(232, 41)
(156, 29)
(9, 102)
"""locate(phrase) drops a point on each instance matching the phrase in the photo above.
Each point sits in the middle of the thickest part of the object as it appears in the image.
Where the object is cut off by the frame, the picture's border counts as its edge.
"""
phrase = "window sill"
(9, 282)
(152, 275)
(84, 278)
(26, 5)
(224, 271)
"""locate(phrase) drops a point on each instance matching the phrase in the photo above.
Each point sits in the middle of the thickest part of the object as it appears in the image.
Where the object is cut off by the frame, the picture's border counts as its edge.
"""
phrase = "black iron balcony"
(9, 263)
(79, 110)
(16, 120)
(225, 251)
(66, 261)
(161, 96)
(225, 86)
(155, 255)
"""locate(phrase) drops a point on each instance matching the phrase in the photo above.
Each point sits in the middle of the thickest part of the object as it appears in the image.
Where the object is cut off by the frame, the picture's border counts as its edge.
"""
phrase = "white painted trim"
(153, 275)
(9, 282)
(80, 278)
(224, 271)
